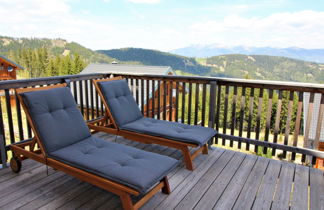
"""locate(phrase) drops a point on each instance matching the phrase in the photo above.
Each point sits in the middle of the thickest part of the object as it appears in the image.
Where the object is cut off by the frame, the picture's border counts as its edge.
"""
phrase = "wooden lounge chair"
(123, 118)
(319, 161)
(63, 141)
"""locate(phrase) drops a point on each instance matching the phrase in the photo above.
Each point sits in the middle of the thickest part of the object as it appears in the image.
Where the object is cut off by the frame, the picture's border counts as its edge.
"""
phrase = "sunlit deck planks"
(222, 180)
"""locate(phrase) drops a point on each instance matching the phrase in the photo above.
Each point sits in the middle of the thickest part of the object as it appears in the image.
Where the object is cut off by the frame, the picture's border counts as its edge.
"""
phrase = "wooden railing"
(262, 117)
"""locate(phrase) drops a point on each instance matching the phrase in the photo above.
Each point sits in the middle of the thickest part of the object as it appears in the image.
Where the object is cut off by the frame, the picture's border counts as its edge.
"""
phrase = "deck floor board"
(223, 179)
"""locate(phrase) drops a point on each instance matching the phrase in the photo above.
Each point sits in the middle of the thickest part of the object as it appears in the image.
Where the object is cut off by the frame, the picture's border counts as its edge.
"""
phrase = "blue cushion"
(56, 117)
(172, 130)
(132, 167)
(120, 101)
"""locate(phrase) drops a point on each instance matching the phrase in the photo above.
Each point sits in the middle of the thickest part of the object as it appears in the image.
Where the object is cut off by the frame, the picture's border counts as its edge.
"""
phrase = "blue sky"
(167, 24)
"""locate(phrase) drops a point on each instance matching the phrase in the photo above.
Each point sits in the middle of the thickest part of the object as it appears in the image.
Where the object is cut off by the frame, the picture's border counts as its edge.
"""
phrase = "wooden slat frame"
(2, 140)
(87, 98)
(297, 123)
(219, 91)
(19, 118)
(268, 120)
(251, 105)
(203, 111)
(165, 86)
(233, 115)
(241, 115)
(177, 102)
(196, 104)
(287, 129)
(189, 104)
(92, 99)
(170, 101)
(153, 99)
(159, 100)
(277, 122)
(225, 112)
(147, 98)
(81, 97)
(319, 123)
(183, 101)
(10, 121)
(257, 135)
(275, 85)
(142, 96)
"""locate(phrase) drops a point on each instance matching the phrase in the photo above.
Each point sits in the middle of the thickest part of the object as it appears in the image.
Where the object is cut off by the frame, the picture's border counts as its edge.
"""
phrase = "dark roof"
(127, 69)
(12, 62)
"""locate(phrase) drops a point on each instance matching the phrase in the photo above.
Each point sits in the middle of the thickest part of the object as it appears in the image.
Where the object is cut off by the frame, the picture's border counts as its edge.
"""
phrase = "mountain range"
(60, 55)
(314, 55)
(55, 47)
(262, 67)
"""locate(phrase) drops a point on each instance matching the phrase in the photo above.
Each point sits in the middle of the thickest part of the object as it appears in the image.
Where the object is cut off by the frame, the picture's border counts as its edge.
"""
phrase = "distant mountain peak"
(314, 55)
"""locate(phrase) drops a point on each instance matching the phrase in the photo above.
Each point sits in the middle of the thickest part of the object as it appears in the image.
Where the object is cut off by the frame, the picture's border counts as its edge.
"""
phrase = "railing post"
(68, 82)
(3, 157)
(212, 102)
(319, 123)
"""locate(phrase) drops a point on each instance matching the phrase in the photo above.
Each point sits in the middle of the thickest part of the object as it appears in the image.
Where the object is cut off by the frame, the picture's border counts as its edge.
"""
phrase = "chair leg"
(205, 149)
(126, 201)
(187, 158)
(166, 187)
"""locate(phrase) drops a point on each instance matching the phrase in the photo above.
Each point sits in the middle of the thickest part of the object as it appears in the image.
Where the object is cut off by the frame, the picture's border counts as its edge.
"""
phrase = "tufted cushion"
(56, 117)
(132, 167)
(172, 130)
(120, 101)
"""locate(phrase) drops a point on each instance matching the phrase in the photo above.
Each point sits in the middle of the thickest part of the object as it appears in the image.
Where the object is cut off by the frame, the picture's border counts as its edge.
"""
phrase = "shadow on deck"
(222, 180)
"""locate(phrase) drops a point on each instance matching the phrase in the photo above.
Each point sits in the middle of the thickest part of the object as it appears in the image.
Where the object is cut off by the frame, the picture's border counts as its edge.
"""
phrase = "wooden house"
(8, 69)
(143, 70)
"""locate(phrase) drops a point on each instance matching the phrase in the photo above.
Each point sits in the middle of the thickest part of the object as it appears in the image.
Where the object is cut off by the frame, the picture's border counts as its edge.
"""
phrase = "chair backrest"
(56, 117)
(120, 101)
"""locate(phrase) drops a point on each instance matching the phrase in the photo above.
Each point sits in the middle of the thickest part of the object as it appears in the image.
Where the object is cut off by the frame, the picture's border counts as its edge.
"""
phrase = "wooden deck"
(222, 180)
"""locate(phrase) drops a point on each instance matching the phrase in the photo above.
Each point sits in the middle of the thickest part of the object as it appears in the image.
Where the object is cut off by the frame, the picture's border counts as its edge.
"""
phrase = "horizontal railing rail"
(263, 117)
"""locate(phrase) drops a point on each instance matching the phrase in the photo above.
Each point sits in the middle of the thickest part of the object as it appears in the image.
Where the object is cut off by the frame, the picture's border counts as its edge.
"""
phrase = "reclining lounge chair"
(124, 118)
(63, 141)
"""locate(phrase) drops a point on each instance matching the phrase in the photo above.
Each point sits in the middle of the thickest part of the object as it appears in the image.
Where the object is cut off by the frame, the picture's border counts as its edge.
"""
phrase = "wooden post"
(233, 115)
(225, 113)
(212, 102)
(219, 91)
(297, 123)
(268, 120)
(10, 120)
(319, 123)
(68, 82)
(183, 101)
(308, 123)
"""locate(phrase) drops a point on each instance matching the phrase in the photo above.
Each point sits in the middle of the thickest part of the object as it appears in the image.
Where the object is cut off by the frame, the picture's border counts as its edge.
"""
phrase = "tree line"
(40, 63)
(233, 112)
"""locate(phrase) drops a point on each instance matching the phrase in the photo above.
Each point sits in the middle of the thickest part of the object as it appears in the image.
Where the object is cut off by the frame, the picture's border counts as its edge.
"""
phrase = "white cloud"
(144, 1)
(55, 19)
(51, 19)
(302, 29)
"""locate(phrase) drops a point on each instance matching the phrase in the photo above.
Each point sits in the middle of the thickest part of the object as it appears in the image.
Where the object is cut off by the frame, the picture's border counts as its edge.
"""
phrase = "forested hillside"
(48, 57)
(265, 67)
(238, 66)
(52, 57)
(157, 58)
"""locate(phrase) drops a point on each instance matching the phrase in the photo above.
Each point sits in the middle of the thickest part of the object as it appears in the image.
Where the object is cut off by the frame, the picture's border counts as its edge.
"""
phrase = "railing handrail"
(82, 88)
(281, 85)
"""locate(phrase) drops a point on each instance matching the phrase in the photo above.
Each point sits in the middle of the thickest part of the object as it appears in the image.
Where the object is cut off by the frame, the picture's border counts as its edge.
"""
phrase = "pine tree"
(78, 64)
